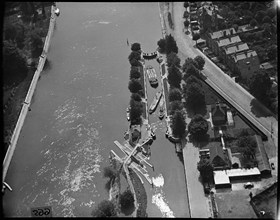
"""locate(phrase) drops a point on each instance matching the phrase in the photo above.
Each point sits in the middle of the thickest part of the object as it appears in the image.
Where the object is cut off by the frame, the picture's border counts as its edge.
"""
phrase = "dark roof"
(215, 151)
(218, 114)
(261, 156)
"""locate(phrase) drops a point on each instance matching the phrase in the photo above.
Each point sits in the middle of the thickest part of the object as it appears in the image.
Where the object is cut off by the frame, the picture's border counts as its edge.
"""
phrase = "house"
(228, 50)
(244, 63)
(261, 157)
(209, 17)
(219, 115)
(211, 37)
(222, 42)
(218, 157)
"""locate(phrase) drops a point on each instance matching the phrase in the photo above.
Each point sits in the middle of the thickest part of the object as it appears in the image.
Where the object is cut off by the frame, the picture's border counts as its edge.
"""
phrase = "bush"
(126, 200)
(198, 126)
(105, 208)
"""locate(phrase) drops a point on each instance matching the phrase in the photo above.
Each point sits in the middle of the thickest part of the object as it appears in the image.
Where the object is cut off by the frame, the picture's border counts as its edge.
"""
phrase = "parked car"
(248, 185)
(272, 166)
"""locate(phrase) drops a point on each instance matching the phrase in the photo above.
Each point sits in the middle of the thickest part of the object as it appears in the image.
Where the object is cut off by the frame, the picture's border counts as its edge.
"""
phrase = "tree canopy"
(134, 55)
(206, 169)
(134, 73)
(178, 124)
(126, 200)
(194, 96)
(175, 105)
(272, 52)
(136, 110)
(136, 97)
(199, 60)
(173, 59)
(253, 23)
(14, 65)
(198, 126)
(196, 36)
(109, 172)
(105, 208)
(135, 47)
(260, 85)
(162, 45)
(134, 86)
(174, 95)
(171, 45)
(174, 76)
(191, 70)
(193, 79)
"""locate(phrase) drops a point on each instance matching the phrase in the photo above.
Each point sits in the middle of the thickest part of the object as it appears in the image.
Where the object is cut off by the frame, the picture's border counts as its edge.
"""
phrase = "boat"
(57, 11)
(155, 102)
(161, 110)
(128, 113)
(152, 76)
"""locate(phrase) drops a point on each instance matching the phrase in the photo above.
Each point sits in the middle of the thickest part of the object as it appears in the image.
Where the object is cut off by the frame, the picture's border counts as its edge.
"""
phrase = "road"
(241, 99)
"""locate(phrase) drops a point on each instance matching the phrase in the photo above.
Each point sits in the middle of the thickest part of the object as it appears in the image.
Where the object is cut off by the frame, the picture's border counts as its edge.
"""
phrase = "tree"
(253, 23)
(174, 95)
(191, 71)
(36, 44)
(186, 4)
(192, 79)
(134, 73)
(134, 63)
(43, 9)
(186, 23)
(134, 55)
(175, 105)
(135, 47)
(245, 5)
(178, 124)
(14, 65)
(194, 96)
(171, 45)
(105, 208)
(162, 45)
(136, 110)
(272, 52)
(186, 14)
(126, 200)
(134, 86)
(267, 30)
(109, 172)
(173, 59)
(135, 97)
(206, 169)
(260, 80)
(266, 19)
(187, 63)
(198, 126)
(271, 12)
(174, 76)
(247, 145)
(196, 36)
(259, 16)
(199, 60)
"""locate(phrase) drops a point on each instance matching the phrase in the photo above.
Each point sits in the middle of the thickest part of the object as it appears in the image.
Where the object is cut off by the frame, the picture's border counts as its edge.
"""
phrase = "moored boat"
(152, 76)
(161, 109)
(128, 113)
(155, 102)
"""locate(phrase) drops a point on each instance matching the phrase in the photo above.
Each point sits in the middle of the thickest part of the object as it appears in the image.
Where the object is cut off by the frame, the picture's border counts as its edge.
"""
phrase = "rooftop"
(243, 55)
(222, 33)
(230, 49)
(228, 41)
(261, 155)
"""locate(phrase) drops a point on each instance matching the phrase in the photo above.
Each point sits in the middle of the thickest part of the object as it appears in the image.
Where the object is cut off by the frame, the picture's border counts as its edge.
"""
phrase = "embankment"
(27, 101)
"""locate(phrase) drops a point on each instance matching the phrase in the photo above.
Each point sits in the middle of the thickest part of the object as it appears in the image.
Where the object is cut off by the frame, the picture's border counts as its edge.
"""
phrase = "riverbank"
(14, 94)
(26, 102)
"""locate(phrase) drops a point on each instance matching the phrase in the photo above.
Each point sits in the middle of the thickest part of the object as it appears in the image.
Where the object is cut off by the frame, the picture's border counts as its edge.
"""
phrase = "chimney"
(225, 33)
(245, 53)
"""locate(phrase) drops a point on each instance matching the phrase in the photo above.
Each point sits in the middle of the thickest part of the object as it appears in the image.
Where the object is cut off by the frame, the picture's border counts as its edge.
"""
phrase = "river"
(78, 110)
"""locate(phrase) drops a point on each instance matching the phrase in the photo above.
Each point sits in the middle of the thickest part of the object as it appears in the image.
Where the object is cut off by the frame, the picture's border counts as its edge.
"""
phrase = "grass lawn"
(234, 204)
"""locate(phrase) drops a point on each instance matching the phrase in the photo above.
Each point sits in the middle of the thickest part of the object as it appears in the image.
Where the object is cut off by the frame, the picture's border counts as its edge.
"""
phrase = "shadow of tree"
(259, 110)
(199, 141)
(47, 65)
(180, 156)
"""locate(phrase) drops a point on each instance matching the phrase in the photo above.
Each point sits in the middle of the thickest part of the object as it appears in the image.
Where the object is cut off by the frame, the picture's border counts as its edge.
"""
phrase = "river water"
(78, 110)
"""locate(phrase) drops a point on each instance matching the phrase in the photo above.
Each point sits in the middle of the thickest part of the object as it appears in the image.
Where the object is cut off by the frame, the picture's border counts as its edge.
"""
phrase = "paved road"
(225, 85)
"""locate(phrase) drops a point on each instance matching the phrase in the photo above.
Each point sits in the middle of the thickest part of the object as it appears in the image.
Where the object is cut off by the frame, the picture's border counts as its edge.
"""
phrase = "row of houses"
(225, 44)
